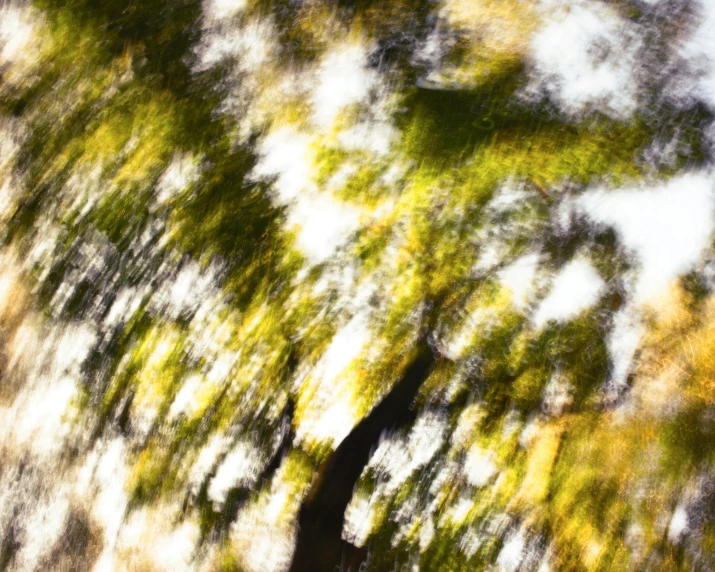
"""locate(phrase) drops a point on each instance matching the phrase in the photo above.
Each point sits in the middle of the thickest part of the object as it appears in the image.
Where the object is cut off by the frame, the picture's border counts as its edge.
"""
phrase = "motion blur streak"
(321, 285)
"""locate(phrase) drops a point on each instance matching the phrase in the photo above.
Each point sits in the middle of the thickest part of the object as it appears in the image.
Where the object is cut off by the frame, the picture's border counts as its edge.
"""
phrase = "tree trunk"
(319, 545)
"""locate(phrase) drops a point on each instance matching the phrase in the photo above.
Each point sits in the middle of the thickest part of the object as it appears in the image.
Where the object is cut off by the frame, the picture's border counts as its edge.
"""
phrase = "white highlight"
(124, 306)
(39, 419)
(174, 549)
(556, 396)
(324, 225)
(41, 530)
(110, 474)
(149, 539)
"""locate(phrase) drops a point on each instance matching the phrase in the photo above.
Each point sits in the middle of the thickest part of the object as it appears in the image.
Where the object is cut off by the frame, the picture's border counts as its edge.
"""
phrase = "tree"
(349, 284)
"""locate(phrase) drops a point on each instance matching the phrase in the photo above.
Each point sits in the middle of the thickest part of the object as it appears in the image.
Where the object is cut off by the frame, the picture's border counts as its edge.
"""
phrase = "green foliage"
(116, 100)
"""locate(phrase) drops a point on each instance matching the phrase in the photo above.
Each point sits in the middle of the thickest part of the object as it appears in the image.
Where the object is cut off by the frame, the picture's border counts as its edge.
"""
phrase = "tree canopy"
(357, 285)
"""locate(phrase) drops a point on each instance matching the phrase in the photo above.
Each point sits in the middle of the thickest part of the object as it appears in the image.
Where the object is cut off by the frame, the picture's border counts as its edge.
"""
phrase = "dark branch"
(319, 545)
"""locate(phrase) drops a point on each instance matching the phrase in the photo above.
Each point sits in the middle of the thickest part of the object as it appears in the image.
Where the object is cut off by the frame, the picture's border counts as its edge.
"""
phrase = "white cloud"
(240, 467)
(374, 137)
(342, 79)
(678, 524)
(204, 463)
(322, 222)
(19, 40)
(519, 277)
(181, 172)
(576, 287)
(584, 57)
(512, 553)
(398, 457)
(357, 524)
(331, 414)
(483, 318)
(698, 51)
(623, 341)
(667, 226)
(479, 466)
(185, 400)
(263, 534)
(222, 9)
(187, 290)
(251, 45)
